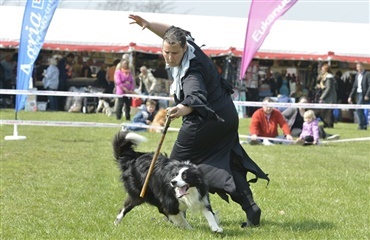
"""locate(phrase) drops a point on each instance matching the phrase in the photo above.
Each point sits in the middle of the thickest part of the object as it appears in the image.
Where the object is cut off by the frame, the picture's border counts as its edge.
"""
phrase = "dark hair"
(175, 35)
(115, 62)
(70, 55)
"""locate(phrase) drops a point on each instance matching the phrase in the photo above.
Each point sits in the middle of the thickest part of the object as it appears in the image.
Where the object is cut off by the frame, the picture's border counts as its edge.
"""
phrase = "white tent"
(110, 31)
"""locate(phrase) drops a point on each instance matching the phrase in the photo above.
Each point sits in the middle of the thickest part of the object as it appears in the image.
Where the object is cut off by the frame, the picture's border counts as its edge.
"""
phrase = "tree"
(159, 6)
(155, 7)
(115, 5)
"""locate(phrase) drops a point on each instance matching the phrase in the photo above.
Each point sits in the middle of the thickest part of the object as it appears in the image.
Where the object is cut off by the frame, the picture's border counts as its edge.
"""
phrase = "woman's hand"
(139, 21)
(179, 111)
(254, 137)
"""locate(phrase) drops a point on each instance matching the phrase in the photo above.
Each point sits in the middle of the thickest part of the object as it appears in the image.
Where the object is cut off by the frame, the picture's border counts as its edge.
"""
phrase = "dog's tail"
(124, 143)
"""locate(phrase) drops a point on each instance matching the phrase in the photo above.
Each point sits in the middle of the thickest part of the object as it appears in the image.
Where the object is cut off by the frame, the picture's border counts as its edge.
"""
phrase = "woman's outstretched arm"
(158, 28)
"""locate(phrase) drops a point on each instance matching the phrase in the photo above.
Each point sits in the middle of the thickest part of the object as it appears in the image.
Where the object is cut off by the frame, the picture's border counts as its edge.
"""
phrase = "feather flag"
(36, 19)
(262, 15)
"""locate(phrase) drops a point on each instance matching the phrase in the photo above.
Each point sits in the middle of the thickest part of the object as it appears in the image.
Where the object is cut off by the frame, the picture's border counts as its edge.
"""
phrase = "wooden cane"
(155, 156)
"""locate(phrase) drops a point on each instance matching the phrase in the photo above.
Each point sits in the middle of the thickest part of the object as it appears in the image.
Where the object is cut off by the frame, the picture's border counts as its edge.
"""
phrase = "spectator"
(8, 80)
(51, 82)
(110, 75)
(283, 99)
(101, 81)
(298, 93)
(144, 117)
(265, 122)
(270, 80)
(86, 69)
(361, 88)
(147, 81)
(295, 120)
(326, 94)
(77, 67)
(124, 85)
(65, 73)
(310, 130)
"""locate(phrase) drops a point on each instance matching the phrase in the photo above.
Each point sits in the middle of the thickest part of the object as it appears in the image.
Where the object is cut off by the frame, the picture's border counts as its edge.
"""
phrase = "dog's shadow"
(304, 225)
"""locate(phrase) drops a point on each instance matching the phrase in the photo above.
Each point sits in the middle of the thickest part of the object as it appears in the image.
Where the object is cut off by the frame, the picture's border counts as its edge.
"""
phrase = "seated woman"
(294, 118)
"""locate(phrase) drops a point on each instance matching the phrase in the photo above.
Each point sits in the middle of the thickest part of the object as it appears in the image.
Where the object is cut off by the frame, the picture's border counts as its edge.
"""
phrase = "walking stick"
(155, 156)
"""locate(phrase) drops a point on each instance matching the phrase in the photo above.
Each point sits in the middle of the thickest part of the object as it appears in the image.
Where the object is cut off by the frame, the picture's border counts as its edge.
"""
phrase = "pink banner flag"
(262, 15)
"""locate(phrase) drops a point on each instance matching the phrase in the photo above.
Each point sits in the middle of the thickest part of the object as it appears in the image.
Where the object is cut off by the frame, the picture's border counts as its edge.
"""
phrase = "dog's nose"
(173, 183)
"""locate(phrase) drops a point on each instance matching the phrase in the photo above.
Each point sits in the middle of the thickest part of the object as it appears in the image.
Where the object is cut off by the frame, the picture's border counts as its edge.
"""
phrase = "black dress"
(208, 136)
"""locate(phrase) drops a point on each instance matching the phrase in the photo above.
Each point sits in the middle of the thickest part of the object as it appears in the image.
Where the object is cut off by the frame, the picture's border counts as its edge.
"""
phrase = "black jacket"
(208, 136)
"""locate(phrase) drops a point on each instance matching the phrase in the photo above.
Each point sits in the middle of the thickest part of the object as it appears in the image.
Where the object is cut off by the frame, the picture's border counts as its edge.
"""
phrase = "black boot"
(253, 212)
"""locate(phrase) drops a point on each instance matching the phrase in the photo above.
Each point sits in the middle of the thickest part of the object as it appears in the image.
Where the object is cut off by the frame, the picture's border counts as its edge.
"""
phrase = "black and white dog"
(174, 186)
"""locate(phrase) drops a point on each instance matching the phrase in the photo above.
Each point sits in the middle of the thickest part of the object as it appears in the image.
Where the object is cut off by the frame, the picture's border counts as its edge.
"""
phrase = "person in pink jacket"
(310, 130)
(124, 82)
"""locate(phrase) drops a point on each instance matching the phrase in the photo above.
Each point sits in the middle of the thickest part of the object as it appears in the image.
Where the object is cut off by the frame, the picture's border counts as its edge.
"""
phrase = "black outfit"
(101, 81)
(87, 69)
(63, 77)
(123, 101)
(360, 96)
(209, 137)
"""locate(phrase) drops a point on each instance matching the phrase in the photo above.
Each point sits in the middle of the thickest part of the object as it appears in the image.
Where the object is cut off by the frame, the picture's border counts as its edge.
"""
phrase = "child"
(144, 117)
(310, 130)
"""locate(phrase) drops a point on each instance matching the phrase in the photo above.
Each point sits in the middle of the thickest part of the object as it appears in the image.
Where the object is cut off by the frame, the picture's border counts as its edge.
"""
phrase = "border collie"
(174, 186)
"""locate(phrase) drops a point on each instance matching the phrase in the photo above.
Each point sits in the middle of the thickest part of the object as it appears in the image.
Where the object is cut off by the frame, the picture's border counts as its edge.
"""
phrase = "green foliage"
(62, 183)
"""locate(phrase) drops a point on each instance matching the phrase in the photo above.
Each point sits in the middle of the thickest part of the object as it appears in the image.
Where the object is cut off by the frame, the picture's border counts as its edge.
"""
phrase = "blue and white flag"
(36, 19)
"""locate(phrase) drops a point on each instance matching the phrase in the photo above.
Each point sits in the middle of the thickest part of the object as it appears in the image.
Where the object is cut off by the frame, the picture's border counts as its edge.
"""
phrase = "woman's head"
(124, 64)
(174, 46)
(325, 68)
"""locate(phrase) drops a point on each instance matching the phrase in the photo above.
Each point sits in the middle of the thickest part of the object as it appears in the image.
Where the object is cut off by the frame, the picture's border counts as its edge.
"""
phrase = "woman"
(295, 119)
(208, 136)
(327, 94)
(124, 85)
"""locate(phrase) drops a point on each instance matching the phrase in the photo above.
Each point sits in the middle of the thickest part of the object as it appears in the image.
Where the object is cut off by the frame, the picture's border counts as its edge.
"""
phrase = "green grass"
(62, 183)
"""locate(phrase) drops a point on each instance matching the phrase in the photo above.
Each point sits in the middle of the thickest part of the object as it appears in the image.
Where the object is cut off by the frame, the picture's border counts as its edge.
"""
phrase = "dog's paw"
(118, 218)
(117, 221)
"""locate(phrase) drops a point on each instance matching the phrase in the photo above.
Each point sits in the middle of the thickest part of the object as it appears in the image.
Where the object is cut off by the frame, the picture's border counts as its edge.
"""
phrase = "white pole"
(15, 135)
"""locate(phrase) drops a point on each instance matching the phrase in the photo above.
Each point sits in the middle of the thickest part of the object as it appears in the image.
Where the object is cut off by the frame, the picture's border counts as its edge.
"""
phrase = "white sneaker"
(267, 142)
(333, 137)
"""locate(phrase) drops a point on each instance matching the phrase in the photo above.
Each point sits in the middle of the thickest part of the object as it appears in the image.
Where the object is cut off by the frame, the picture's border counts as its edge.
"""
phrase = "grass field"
(62, 183)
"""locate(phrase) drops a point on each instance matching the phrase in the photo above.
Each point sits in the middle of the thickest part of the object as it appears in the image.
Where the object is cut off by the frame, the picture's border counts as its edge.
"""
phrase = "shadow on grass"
(306, 225)
(80, 140)
(303, 225)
